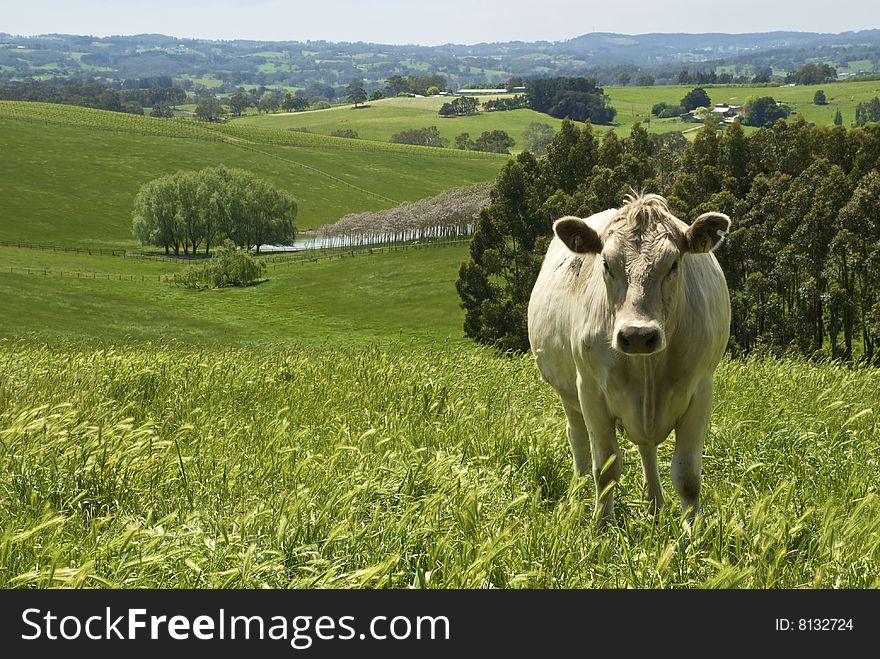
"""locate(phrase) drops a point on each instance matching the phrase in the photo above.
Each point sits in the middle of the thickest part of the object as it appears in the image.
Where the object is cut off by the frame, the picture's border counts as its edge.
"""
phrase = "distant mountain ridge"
(297, 64)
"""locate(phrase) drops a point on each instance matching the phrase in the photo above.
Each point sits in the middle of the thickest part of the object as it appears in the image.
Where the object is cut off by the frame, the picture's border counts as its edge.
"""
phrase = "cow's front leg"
(653, 489)
(687, 461)
(605, 452)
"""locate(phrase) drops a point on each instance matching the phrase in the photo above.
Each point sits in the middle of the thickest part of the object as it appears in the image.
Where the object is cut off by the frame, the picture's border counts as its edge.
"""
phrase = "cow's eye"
(674, 267)
(607, 269)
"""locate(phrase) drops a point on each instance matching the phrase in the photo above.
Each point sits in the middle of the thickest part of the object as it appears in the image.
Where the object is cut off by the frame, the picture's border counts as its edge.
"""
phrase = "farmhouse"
(729, 112)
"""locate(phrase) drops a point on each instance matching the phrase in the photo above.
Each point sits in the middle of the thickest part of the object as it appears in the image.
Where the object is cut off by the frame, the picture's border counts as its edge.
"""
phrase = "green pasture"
(390, 297)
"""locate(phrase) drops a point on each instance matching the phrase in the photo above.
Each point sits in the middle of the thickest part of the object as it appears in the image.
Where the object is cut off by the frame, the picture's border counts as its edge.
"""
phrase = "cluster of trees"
(580, 99)
(209, 108)
(643, 80)
(812, 74)
(696, 98)
(802, 260)
(492, 141)
(94, 95)
(868, 111)
(182, 211)
(764, 111)
(265, 100)
(414, 84)
(686, 77)
(516, 102)
(460, 107)
(429, 136)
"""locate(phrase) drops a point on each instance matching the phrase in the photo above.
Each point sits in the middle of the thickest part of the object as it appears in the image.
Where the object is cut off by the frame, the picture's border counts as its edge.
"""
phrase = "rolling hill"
(69, 174)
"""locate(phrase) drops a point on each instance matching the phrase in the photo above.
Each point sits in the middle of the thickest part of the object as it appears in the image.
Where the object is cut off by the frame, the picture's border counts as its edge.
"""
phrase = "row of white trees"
(449, 215)
(183, 211)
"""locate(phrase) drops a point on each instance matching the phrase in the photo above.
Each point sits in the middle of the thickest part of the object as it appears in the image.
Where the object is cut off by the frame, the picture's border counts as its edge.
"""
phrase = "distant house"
(729, 112)
(482, 91)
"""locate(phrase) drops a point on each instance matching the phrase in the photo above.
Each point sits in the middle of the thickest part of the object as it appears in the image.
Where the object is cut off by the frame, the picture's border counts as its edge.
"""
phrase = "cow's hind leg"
(653, 489)
(579, 438)
(687, 461)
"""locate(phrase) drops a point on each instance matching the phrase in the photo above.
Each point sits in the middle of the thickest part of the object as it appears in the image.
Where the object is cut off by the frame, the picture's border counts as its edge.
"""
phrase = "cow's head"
(642, 259)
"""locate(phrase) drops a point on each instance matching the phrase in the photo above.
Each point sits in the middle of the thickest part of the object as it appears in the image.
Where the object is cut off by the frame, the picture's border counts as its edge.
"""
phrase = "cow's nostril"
(651, 342)
(624, 342)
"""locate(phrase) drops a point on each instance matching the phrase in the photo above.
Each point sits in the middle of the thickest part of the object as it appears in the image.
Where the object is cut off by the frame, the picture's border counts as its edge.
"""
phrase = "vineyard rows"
(70, 115)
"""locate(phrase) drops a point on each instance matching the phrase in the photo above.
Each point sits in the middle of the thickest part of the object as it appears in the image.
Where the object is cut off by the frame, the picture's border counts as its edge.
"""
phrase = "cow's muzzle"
(639, 339)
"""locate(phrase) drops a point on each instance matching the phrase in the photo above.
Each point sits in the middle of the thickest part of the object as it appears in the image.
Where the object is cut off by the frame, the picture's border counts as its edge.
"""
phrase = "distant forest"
(611, 59)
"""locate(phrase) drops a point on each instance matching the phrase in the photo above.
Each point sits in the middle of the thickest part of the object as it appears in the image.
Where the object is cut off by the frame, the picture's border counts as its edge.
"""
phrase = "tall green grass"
(282, 467)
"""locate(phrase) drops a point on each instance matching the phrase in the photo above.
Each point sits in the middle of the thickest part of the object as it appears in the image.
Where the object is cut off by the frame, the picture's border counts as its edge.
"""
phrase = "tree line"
(183, 211)
(802, 260)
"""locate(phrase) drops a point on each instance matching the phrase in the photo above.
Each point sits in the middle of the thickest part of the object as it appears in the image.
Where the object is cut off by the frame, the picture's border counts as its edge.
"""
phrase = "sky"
(428, 23)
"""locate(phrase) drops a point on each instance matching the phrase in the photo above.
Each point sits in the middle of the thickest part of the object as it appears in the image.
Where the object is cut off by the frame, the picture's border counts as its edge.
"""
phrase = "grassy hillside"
(381, 119)
(170, 467)
(69, 175)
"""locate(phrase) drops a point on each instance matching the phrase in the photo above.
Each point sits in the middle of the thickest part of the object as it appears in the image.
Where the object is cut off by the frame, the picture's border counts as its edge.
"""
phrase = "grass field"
(73, 180)
(383, 118)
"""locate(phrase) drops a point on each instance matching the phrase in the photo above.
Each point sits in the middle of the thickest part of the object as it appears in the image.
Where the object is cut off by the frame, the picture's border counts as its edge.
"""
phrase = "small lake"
(309, 241)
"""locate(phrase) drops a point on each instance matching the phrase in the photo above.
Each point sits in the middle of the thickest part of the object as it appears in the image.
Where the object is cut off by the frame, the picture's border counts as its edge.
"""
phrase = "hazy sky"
(434, 22)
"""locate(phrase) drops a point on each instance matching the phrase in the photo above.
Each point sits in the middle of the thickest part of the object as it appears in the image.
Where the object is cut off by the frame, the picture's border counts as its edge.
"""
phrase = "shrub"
(232, 267)
(345, 132)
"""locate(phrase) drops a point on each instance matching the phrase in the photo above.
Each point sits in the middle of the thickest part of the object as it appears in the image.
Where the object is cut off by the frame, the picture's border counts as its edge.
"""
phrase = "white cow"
(628, 319)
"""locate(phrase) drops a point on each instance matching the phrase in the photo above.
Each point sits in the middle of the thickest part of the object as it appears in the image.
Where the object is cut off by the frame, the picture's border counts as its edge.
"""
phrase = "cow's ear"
(706, 232)
(577, 235)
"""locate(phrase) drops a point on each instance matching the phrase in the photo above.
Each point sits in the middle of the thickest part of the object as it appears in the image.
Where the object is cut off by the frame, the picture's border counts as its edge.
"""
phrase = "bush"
(232, 267)
(345, 132)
